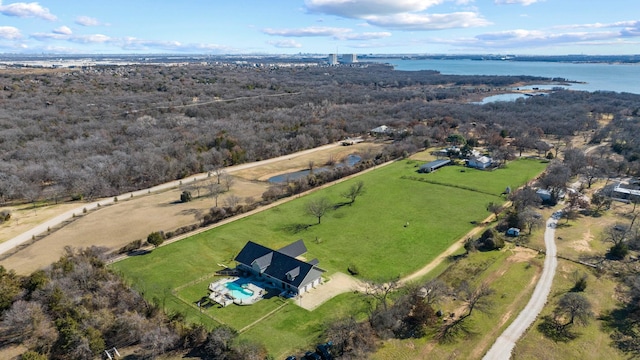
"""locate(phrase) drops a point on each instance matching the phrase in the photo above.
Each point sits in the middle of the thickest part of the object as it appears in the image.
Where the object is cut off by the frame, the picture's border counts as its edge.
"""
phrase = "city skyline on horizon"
(285, 27)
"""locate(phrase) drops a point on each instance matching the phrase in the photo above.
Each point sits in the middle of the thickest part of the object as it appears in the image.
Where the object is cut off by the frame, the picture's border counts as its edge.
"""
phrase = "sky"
(521, 27)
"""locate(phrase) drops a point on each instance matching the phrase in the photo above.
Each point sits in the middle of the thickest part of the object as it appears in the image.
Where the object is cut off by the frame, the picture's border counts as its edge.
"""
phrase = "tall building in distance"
(333, 59)
(349, 58)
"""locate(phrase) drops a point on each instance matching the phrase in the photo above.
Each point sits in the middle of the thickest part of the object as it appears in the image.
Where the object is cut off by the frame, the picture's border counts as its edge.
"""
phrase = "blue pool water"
(237, 291)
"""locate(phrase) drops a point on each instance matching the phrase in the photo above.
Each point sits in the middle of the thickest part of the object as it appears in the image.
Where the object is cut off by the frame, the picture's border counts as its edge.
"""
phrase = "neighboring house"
(432, 166)
(513, 232)
(481, 162)
(447, 152)
(280, 267)
(625, 194)
(381, 130)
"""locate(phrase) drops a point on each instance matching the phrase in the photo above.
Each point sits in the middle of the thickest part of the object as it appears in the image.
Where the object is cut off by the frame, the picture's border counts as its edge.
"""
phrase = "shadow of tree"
(295, 228)
(623, 327)
(341, 204)
(555, 331)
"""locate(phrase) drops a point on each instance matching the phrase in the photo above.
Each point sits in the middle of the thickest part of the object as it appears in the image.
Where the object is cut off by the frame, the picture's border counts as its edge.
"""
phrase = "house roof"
(435, 164)
(294, 249)
(380, 129)
(483, 159)
(278, 264)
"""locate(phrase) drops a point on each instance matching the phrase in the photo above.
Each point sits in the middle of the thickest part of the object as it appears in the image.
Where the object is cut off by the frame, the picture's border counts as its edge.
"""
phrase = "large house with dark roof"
(281, 267)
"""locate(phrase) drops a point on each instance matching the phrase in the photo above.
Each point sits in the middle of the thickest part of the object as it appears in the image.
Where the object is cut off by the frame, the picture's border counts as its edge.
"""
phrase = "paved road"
(501, 349)
(56, 221)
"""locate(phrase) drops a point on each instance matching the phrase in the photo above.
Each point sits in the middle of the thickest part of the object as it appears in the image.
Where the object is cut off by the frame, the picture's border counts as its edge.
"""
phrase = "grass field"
(509, 272)
(370, 234)
(575, 238)
(593, 341)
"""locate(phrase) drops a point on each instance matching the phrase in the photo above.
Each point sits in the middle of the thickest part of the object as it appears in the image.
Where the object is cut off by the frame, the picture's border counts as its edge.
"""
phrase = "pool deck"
(224, 296)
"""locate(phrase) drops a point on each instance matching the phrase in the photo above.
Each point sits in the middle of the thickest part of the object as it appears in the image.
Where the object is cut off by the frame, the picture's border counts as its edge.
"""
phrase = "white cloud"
(27, 10)
(285, 44)
(9, 33)
(527, 39)
(633, 23)
(87, 21)
(407, 15)
(132, 43)
(336, 33)
(90, 39)
(62, 30)
(408, 21)
(49, 36)
(365, 36)
(307, 31)
(361, 8)
(516, 2)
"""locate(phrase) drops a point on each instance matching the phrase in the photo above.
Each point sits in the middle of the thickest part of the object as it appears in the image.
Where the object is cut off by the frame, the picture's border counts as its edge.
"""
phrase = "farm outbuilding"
(432, 166)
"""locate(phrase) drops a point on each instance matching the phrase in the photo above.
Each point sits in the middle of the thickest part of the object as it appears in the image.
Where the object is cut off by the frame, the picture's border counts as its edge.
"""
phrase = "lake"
(596, 76)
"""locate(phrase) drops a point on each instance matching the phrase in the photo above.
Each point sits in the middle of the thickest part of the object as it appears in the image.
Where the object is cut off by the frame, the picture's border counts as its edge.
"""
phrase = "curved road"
(501, 349)
(53, 222)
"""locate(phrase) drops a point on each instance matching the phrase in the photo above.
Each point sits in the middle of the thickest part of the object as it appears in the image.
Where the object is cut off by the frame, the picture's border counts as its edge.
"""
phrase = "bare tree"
(474, 299)
(494, 208)
(531, 219)
(593, 170)
(573, 308)
(525, 197)
(555, 179)
(351, 339)
(318, 207)
(232, 201)
(354, 191)
(380, 291)
(215, 190)
(227, 181)
(600, 201)
(435, 290)
(575, 160)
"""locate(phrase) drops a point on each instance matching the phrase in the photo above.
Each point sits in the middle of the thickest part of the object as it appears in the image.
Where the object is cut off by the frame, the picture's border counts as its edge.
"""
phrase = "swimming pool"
(238, 291)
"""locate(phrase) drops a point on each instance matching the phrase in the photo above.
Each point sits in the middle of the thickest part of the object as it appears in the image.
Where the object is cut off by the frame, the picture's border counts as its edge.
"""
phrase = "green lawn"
(593, 341)
(370, 234)
(507, 277)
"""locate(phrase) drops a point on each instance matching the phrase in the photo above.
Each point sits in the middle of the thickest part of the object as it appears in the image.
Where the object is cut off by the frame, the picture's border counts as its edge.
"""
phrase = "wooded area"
(101, 131)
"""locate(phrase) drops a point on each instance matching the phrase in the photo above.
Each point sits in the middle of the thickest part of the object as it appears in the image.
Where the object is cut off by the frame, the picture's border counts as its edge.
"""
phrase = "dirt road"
(501, 349)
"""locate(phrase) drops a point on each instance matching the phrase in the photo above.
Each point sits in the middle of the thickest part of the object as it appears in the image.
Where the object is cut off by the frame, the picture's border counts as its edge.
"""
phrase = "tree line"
(101, 131)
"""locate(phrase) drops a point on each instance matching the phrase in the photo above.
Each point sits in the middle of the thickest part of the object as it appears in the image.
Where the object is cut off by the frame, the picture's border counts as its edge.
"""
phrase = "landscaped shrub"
(5, 215)
(185, 196)
(156, 238)
(490, 240)
(353, 269)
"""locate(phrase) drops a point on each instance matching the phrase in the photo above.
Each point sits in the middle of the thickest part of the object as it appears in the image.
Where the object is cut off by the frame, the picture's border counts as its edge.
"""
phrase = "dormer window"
(291, 275)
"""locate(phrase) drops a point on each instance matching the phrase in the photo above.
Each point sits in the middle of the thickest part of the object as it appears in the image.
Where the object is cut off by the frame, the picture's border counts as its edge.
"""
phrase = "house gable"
(294, 249)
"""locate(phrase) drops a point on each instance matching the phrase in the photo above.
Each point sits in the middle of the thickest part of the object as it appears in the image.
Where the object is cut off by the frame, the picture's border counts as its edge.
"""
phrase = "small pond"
(508, 97)
(350, 160)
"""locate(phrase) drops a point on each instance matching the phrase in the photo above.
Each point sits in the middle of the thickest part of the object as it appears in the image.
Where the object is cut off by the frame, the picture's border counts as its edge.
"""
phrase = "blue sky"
(321, 26)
